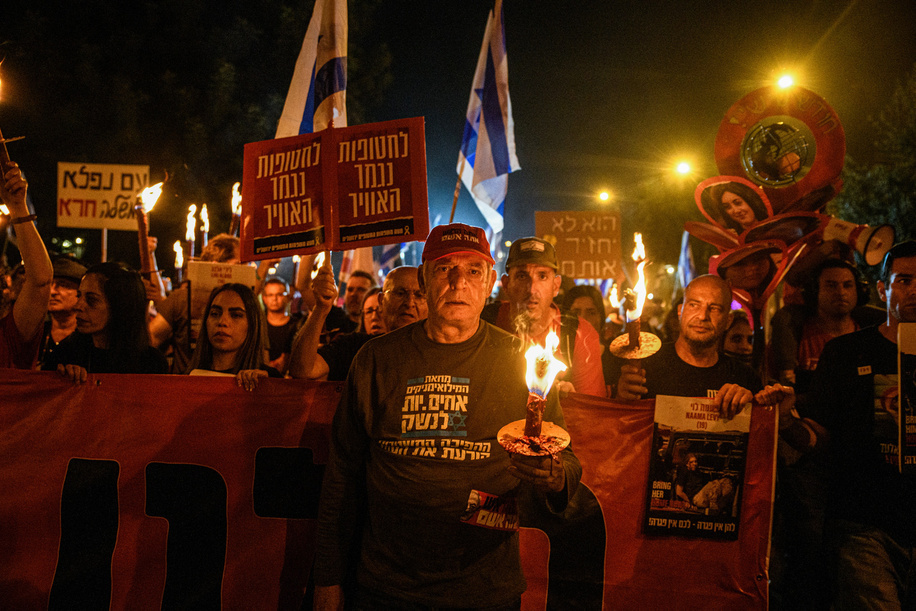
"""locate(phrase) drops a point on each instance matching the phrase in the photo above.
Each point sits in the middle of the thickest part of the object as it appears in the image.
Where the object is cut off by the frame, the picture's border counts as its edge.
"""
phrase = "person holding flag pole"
(487, 153)
(317, 97)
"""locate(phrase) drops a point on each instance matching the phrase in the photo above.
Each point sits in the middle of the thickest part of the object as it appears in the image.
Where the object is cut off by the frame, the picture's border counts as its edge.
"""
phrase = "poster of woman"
(732, 202)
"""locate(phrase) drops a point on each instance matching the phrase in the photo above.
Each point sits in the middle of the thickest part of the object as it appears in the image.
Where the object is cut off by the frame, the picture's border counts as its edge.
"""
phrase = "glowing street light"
(605, 196)
(683, 168)
(785, 81)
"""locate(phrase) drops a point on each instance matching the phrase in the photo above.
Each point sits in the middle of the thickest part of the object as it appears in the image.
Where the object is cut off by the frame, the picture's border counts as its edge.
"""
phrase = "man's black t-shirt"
(667, 374)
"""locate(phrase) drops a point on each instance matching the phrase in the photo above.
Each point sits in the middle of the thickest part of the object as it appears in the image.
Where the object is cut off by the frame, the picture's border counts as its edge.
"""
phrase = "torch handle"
(534, 417)
(146, 266)
(4, 153)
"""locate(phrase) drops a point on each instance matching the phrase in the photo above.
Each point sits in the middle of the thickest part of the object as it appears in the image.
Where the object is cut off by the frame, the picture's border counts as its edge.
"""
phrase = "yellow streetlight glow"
(682, 168)
(604, 196)
(785, 81)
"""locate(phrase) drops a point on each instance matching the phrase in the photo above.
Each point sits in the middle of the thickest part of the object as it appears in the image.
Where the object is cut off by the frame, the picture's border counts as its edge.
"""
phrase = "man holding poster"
(692, 365)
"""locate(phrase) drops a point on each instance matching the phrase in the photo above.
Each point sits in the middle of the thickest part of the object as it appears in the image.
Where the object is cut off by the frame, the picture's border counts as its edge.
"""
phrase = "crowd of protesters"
(82, 318)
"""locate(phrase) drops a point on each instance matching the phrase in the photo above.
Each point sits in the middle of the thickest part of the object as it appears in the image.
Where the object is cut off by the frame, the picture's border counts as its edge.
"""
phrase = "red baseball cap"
(456, 238)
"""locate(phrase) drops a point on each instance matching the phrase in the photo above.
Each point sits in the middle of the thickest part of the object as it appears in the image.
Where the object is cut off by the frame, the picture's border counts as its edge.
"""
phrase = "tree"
(179, 85)
(886, 191)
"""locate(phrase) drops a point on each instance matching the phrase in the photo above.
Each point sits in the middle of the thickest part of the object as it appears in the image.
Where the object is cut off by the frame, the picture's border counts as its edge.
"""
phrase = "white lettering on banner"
(375, 148)
(581, 224)
(376, 202)
(287, 214)
(289, 161)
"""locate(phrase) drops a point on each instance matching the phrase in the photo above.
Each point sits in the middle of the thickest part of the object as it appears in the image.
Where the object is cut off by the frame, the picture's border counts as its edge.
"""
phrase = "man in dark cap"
(531, 282)
(61, 306)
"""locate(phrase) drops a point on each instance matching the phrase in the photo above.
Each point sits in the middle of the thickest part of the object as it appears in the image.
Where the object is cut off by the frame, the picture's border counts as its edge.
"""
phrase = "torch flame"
(236, 199)
(639, 256)
(191, 229)
(543, 367)
(4, 210)
(319, 261)
(149, 196)
(179, 255)
(614, 298)
(204, 219)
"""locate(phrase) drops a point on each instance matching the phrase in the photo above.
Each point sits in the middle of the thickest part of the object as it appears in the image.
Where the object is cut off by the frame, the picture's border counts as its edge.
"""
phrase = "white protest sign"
(99, 195)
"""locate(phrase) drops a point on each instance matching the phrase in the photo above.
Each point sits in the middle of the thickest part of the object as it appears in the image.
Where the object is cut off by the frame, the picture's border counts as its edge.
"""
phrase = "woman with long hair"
(111, 327)
(233, 337)
(737, 205)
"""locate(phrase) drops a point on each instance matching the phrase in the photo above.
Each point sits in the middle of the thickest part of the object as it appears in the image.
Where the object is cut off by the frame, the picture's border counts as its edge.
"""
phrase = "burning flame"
(543, 368)
(319, 261)
(4, 210)
(296, 258)
(614, 298)
(204, 219)
(149, 196)
(639, 256)
(179, 255)
(192, 224)
(236, 199)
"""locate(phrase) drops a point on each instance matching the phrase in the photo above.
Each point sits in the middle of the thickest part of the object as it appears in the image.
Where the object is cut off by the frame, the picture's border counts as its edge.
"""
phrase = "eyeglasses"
(371, 311)
(404, 294)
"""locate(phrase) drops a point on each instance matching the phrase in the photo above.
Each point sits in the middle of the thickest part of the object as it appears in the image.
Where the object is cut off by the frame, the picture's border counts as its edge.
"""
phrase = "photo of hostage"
(734, 205)
(699, 492)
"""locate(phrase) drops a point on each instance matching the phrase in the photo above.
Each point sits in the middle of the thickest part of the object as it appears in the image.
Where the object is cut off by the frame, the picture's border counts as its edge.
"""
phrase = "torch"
(205, 223)
(634, 344)
(148, 198)
(319, 261)
(532, 436)
(191, 230)
(179, 261)
(236, 209)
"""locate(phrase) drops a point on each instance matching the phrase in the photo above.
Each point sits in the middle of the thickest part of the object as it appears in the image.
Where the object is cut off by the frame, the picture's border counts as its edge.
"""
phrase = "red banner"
(160, 491)
(613, 441)
(340, 188)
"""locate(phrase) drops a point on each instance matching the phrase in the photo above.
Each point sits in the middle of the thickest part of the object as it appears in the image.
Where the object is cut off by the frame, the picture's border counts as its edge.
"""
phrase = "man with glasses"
(401, 302)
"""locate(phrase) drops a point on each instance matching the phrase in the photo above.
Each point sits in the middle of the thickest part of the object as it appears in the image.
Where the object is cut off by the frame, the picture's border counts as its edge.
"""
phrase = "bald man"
(692, 366)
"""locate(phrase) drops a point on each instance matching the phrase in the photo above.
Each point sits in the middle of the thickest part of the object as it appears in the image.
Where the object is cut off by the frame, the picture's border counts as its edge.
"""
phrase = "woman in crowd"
(372, 322)
(111, 327)
(233, 337)
(585, 301)
(737, 205)
(738, 341)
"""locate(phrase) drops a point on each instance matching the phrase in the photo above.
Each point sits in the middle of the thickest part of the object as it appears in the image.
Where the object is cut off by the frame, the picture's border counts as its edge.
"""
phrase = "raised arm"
(305, 362)
(32, 303)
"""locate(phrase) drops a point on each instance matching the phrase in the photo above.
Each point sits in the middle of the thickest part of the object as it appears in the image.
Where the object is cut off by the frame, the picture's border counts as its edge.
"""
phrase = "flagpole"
(455, 200)
(457, 190)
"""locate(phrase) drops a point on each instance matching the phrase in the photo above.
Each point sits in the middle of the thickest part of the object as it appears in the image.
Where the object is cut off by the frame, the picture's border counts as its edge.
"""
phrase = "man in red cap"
(414, 441)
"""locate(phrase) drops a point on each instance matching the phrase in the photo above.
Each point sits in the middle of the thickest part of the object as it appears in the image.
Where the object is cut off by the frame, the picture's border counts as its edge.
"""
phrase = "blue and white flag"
(388, 257)
(318, 91)
(686, 270)
(487, 153)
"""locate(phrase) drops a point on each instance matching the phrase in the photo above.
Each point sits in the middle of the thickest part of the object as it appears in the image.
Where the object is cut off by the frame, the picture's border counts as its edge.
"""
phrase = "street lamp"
(785, 81)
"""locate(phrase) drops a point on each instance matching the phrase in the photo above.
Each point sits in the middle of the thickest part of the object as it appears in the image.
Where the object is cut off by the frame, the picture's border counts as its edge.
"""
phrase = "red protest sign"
(337, 189)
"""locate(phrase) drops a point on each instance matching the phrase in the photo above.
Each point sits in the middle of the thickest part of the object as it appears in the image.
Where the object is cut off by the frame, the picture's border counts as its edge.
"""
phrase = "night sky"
(609, 94)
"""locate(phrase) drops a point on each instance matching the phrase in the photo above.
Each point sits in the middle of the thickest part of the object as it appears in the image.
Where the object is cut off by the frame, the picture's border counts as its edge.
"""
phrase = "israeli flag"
(487, 154)
(318, 91)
